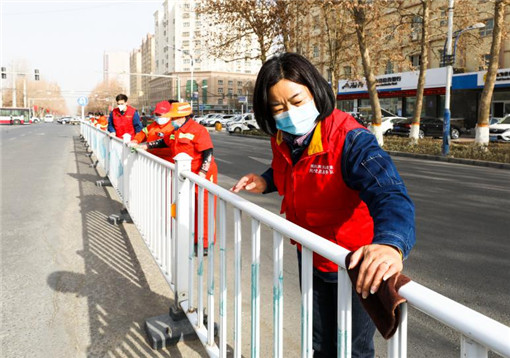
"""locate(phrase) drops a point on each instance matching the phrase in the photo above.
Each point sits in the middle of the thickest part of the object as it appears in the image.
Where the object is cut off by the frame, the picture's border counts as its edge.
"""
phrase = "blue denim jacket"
(369, 169)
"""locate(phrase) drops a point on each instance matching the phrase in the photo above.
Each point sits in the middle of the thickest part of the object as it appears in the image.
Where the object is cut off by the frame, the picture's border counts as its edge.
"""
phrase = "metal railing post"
(182, 230)
(125, 178)
(344, 329)
(472, 349)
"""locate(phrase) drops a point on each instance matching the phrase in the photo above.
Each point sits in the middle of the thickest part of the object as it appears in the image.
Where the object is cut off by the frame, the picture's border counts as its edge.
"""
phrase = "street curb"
(437, 158)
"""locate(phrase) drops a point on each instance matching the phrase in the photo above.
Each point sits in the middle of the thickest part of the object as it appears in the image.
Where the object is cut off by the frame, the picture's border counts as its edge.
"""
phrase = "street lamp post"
(449, 60)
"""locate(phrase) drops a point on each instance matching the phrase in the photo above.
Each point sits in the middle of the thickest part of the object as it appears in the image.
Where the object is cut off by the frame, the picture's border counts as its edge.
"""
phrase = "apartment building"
(135, 82)
(396, 58)
(180, 42)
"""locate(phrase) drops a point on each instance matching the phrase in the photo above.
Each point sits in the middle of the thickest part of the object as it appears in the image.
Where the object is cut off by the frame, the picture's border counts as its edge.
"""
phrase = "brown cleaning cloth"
(383, 306)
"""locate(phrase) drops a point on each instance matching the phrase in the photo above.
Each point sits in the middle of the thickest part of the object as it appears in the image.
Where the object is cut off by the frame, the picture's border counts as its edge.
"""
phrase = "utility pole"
(449, 73)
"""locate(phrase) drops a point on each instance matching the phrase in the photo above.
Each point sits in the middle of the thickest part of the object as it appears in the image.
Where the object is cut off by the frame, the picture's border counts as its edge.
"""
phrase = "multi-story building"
(397, 70)
(116, 66)
(148, 67)
(181, 52)
(135, 67)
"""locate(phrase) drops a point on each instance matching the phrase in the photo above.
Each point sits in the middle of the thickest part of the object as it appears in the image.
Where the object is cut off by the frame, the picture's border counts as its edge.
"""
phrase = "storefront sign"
(435, 77)
(503, 77)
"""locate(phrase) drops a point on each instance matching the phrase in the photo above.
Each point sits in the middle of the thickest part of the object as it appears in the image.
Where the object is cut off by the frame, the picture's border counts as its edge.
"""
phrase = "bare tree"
(358, 10)
(482, 127)
(424, 46)
(236, 23)
(102, 97)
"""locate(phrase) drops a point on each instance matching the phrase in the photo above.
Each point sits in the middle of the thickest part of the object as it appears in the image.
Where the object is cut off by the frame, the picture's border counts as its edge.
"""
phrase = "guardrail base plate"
(163, 331)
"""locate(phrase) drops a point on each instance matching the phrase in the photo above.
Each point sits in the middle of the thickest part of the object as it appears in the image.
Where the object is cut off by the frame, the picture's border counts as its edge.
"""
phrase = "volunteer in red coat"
(161, 127)
(336, 182)
(193, 139)
(124, 119)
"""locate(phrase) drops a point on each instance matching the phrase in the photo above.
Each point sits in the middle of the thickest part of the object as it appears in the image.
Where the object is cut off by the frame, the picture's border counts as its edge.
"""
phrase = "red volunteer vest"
(124, 123)
(314, 193)
(154, 132)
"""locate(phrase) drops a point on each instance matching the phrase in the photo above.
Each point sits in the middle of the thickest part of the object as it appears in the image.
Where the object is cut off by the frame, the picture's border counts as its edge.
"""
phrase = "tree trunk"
(482, 126)
(415, 124)
(359, 19)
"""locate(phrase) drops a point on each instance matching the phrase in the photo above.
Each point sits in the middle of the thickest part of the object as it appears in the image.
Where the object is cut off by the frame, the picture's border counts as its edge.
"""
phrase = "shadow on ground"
(118, 293)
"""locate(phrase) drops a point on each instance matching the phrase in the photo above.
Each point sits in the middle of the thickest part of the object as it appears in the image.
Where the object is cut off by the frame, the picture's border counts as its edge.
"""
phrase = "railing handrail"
(463, 319)
(470, 323)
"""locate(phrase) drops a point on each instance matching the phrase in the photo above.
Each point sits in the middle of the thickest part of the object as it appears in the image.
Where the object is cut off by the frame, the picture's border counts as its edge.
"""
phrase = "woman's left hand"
(380, 262)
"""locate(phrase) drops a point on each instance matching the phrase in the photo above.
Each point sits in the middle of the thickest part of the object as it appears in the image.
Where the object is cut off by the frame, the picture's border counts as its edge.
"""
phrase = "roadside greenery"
(495, 152)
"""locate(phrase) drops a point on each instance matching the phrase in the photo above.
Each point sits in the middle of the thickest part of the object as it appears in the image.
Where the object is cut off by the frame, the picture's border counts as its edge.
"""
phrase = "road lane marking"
(222, 160)
(261, 160)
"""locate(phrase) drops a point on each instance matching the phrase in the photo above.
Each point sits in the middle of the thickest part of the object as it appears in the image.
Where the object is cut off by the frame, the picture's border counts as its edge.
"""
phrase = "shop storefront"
(397, 94)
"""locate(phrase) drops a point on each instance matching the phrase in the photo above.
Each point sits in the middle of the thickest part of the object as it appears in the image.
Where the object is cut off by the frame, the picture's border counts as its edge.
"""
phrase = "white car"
(48, 118)
(500, 131)
(387, 120)
(242, 122)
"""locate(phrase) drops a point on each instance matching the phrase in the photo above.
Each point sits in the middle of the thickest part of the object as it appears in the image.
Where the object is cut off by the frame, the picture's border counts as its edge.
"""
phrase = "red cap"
(162, 107)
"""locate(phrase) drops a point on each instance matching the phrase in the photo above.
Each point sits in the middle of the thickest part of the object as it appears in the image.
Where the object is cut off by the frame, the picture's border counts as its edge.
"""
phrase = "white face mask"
(122, 107)
(162, 120)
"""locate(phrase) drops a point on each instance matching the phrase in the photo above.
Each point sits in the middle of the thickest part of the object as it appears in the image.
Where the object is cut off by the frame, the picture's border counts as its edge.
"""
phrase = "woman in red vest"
(193, 139)
(124, 119)
(336, 182)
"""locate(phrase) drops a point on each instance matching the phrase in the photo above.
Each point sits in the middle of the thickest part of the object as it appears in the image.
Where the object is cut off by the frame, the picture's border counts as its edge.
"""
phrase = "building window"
(487, 30)
(444, 18)
(239, 92)
(230, 91)
(185, 43)
(315, 50)
(186, 61)
(220, 101)
(220, 89)
(415, 60)
(316, 22)
(186, 24)
(230, 83)
(185, 15)
(416, 26)
(389, 68)
(220, 82)
(239, 83)
(347, 71)
(185, 34)
(485, 61)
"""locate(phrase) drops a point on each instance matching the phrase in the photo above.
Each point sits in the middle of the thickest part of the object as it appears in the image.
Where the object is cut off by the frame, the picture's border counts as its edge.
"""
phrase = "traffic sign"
(83, 101)
(241, 98)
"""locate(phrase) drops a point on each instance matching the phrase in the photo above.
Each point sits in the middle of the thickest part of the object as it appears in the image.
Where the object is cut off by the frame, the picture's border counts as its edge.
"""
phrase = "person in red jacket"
(161, 127)
(193, 139)
(124, 119)
(337, 183)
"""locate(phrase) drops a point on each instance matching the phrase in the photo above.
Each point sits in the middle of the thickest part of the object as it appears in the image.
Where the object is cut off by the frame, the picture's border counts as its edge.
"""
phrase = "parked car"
(364, 117)
(48, 118)
(219, 118)
(68, 120)
(242, 122)
(35, 120)
(500, 131)
(206, 118)
(429, 126)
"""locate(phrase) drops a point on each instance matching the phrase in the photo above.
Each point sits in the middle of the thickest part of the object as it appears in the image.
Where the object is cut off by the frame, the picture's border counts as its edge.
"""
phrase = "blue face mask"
(297, 120)
(176, 124)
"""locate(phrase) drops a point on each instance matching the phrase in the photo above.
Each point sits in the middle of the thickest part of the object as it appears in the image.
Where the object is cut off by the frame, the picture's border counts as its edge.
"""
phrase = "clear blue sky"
(65, 40)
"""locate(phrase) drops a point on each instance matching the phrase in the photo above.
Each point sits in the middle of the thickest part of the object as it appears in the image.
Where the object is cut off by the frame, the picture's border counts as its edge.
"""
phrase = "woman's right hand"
(250, 182)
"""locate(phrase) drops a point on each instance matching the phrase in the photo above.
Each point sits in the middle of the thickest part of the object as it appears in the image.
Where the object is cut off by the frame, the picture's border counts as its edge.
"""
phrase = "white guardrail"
(146, 185)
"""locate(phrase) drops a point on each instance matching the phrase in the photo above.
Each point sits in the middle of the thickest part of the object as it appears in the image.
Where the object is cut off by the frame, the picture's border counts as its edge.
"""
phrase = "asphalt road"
(75, 286)
(463, 230)
(72, 285)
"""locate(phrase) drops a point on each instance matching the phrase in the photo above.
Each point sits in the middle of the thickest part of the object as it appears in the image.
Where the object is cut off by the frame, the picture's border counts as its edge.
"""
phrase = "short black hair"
(172, 101)
(295, 68)
(121, 97)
